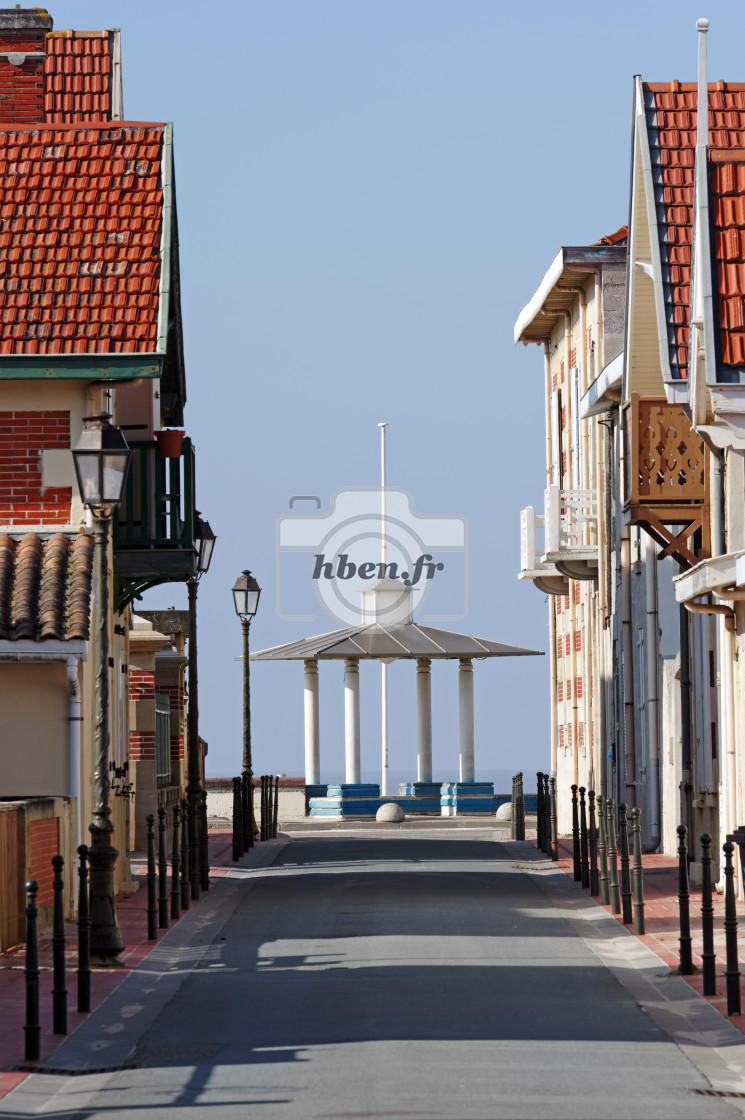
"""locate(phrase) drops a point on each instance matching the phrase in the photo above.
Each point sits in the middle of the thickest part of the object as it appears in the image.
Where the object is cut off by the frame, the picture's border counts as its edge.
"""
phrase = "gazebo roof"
(409, 640)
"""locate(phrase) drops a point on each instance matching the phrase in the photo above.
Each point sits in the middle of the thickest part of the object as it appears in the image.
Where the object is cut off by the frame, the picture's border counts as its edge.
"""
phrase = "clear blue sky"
(368, 192)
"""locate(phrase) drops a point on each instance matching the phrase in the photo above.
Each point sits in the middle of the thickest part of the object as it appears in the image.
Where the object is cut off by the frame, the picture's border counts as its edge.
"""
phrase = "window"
(162, 739)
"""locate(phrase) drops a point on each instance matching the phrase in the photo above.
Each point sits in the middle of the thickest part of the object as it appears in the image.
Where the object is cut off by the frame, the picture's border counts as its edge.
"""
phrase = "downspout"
(628, 671)
(572, 607)
(650, 573)
(74, 719)
(552, 664)
(549, 424)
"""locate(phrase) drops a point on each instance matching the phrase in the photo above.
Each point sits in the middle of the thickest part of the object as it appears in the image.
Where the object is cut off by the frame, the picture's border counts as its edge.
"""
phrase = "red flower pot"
(169, 442)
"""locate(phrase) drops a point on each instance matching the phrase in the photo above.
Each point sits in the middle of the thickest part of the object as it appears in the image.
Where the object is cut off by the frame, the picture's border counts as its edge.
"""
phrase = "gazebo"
(388, 633)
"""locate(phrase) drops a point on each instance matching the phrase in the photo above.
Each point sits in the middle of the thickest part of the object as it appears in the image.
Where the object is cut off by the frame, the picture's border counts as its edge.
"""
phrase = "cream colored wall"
(643, 363)
(35, 753)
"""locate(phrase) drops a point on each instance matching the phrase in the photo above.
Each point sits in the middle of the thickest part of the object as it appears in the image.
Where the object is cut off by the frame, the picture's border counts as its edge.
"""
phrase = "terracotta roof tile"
(69, 261)
(45, 587)
(671, 120)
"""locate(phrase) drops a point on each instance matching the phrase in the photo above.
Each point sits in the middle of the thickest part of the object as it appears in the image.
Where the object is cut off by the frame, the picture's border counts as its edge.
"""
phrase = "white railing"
(530, 523)
(571, 520)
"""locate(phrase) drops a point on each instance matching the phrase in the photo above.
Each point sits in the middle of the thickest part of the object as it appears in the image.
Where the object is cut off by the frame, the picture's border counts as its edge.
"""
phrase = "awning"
(398, 642)
(605, 391)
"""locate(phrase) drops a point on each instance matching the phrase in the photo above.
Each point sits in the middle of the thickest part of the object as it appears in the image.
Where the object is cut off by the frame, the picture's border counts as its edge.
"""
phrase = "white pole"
(424, 719)
(465, 706)
(352, 720)
(312, 724)
(383, 667)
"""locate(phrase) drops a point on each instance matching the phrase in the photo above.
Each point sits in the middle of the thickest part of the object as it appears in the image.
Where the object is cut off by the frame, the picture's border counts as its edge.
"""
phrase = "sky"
(368, 193)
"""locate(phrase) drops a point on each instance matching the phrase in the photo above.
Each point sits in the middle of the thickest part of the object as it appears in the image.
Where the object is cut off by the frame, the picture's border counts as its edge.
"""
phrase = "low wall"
(32, 830)
(291, 805)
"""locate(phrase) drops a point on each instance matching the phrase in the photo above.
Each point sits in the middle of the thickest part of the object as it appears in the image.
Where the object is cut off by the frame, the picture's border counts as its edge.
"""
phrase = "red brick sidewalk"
(661, 923)
(131, 912)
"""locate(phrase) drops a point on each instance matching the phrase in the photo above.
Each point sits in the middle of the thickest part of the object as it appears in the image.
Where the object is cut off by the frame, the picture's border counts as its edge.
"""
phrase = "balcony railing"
(571, 532)
(153, 530)
(546, 577)
(157, 511)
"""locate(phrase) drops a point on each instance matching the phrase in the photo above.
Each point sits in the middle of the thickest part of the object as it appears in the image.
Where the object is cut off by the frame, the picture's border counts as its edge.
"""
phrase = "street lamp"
(101, 459)
(199, 865)
(246, 592)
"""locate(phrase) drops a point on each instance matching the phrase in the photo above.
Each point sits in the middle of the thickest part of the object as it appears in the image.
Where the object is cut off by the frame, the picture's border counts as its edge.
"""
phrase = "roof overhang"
(48, 649)
(405, 642)
(572, 267)
(605, 391)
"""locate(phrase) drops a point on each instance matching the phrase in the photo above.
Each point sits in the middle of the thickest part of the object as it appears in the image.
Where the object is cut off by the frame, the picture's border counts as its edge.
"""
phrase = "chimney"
(23, 34)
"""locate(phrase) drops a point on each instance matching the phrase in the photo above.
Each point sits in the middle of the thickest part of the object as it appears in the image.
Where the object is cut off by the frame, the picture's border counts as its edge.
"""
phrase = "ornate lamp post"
(205, 539)
(102, 459)
(246, 592)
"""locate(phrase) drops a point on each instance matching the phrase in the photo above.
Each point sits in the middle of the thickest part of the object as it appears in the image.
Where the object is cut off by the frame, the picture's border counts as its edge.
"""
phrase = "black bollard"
(707, 919)
(603, 852)
(152, 890)
(513, 816)
(162, 870)
(59, 987)
(275, 819)
(575, 836)
(32, 1027)
(195, 844)
(636, 830)
(685, 968)
(623, 828)
(615, 893)
(539, 812)
(732, 972)
(546, 816)
(262, 826)
(237, 821)
(84, 932)
(553, 821)
(520, 808)
(584, 851)
(205, 868)
(185, 884)
(593, 840)
(175, 866)
(246, 793)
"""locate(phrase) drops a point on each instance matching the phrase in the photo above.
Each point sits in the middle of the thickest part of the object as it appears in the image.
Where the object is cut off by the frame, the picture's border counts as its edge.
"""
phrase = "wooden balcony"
(571, 532)
(666, 479)
(153, 530)
(546, 577)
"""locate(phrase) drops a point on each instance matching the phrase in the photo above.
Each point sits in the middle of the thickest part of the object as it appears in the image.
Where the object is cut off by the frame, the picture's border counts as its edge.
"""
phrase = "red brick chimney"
(22, 59)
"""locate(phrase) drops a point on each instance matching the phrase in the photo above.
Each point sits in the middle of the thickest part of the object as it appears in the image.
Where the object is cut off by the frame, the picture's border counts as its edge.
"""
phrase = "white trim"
(610, 377)
(707, 576)
(117, 106)
(164, 302)
(533, 306)
(48, 649)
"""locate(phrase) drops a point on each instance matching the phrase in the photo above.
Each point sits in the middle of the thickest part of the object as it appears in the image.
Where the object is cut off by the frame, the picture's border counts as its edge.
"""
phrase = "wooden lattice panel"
(667, 457)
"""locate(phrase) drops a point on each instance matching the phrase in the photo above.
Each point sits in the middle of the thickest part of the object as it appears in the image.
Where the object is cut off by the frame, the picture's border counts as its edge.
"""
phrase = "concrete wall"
(220, 804)
(35, 755)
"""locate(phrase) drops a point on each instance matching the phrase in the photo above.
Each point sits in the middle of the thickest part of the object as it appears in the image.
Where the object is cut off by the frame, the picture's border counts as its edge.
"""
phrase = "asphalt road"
(397, 976)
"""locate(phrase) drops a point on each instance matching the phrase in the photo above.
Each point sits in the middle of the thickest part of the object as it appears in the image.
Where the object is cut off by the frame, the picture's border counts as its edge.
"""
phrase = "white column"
(352, 720)
(312, 735)
(465, 712)
(423, 720)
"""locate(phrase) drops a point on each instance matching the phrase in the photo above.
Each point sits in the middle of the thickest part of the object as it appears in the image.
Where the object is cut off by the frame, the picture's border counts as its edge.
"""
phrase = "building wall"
(35, 759)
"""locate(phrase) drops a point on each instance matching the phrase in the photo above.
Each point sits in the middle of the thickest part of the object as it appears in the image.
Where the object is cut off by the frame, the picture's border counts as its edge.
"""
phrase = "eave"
(573, 267)
(83, 366)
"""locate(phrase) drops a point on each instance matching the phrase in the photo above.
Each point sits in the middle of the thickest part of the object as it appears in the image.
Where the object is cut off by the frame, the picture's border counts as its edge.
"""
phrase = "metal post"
(237, 825)
(732, 972)
(162, 870)
(106, 939)
(707, 919)
(593, 839)
(59, 987)
(513, 817)
(684, 905)
(615, 893)
(194, 787)
(575, 836)
(520, 808)
(263, 807)
(185, 887)
(175, 866)
(623, 828)
(275, 817)
(84, 933)
(205, 844)
(584, 856)
(603, 851)
(152, 894)
(32, 1027)
(539, 811)
(246, 792)
(554, 822)
(636, 830)
(249, 827)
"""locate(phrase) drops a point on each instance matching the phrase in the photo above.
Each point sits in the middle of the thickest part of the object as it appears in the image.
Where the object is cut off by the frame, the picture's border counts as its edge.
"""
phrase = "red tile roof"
(671, 120)
(77, 77)
(45, 587)
(80, 228)
(620, 237)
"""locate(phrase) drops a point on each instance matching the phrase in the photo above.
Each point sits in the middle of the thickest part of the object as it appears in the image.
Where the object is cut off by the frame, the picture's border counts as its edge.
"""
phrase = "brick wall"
(23, 436)
(22, 87)
(43, 839)
(141, 745)
(141, 684)
(177, 696)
